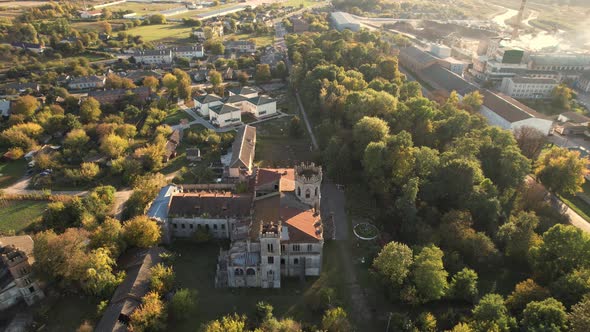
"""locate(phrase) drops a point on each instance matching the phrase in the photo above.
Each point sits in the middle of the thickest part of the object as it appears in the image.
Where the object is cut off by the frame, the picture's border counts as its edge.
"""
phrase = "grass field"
(578, 204)
(175, 116)
(15, 216)
(264, 40)
(143, 8)
(11, 171)
(66, 313)
(276, 148)
(161, 32)
(195, 269)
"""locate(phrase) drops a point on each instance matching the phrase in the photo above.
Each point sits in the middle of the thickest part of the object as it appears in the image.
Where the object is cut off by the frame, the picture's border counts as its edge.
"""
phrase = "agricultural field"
(143, 8)
(161, 32)
(11, 171)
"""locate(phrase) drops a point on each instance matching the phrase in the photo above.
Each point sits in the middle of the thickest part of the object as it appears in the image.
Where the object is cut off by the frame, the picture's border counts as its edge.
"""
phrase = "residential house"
(199, 33)
(416, 59)
(141, 94)
(271, 57)
(200, 75)
(299, 24)
(153, 57)
(193, 154)
(21, 87)
(528, 87)
(243, 151)
(17, 280)
(204, 102)
(33, 47)
(240, 46)
(87, 82)
(225, 115)
(572, 123)
(189, 52)
(137, 264)
(508, 113)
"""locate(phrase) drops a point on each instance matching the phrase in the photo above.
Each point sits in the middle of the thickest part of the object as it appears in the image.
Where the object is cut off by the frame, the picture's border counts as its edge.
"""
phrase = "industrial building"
(342, 20)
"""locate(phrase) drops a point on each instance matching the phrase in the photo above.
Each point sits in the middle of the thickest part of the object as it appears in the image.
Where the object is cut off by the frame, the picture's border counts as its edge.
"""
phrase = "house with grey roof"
(260, 106)
(225, 115)
(243, 150)
(508, 113)
(152, 57)
(192, 51)
(245, 91)
(204, 102)
(342, 20)
(240, 46)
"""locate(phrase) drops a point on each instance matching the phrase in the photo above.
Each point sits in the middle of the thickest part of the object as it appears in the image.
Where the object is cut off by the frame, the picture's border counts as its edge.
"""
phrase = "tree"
(108, 235)
(336, 320)
(170, 81)
(368, 130)
(99, 279)
(393, 263)
(151, 82)
(562, 249)
(562, 171)
(162, 278)
(215, 78)
(157, 19)
(526, 291)
(114, 146)
(281, 70)
(141, 232)
(243, 78)
(295, 128)
(462, 327)
(75, 142)
(183, 303)
(262, 73)
(90, 110)
(25, 105)
(562, 96)
(546, 315)
(472, 101)
(530, 141)
(229, 323)
(388, 69)
(579, 317)
(429, 274)
(150, 316)
(184, 89)
(464, 285)
(518, 235)
(490, 314)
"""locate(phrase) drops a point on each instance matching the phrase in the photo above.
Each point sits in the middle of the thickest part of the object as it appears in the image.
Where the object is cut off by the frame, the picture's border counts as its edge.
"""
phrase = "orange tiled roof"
(303, 225)
(286, 176)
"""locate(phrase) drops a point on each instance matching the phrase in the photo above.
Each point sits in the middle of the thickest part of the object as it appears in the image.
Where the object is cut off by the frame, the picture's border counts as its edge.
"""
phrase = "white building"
(153, 56)
(225, 115)
(260, 106)
(507, 113)
(189, 52)
(342, 20)
(240, 46)
(204, 102)
(89, 14)
(245, 91)
(87, 82)
(4, 107)
(528, 87)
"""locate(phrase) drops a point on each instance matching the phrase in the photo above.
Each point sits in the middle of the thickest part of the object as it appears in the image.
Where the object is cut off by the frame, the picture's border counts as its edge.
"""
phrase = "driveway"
(333, 204)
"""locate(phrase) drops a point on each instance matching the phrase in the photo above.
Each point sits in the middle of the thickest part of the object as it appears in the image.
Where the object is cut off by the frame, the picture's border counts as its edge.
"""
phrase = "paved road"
(333, 204)
(306, 120)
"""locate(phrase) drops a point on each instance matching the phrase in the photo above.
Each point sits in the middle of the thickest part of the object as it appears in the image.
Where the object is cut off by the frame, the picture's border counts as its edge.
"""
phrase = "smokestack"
(519, 19)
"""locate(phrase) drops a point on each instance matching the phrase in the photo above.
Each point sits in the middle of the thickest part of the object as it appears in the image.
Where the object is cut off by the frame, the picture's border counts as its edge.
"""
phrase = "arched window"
(307, 193)
(299, 191)
(296, 261)
(270, 272)
(316, 191)
(239, 272)
(250, 272)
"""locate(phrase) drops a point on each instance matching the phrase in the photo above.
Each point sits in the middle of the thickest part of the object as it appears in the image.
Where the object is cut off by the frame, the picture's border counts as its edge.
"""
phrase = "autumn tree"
(579, 317)
(162, 278)
(169, 81)
(215, 79)
(150, 315)
(336, 320)
(562, 171)
(26, 106)
(472, 102)
(262, 73)
(428, 274)
(524, 292)
(367, 130)
(562, 96)
(393, 263)
(114, 146)
(108, 235)
(141, 232)
(518, 235)
(233, 323)
(90, 110)
(151, 82)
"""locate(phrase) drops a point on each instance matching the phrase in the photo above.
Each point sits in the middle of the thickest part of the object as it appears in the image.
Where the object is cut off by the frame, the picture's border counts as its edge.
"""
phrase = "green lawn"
(18, 215)
(176, 115)
(66, 313)
(161, 31)
(11, 171)
(260, 41)
(195, 269)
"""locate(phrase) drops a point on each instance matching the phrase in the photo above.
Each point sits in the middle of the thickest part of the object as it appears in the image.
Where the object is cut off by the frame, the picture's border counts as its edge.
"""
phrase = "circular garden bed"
(365, 231)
